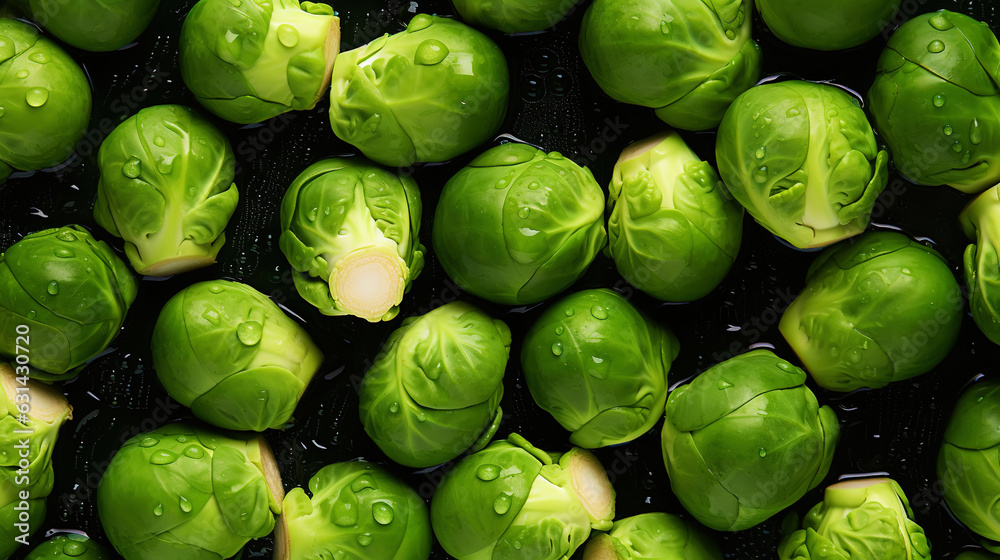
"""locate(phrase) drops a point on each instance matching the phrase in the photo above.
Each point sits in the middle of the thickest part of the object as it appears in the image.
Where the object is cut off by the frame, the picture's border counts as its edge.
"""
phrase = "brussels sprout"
(358, 511)
(969, 462)
(517, 225)
(867, 518)
(936, 101)
(879, 309)
(252, 60)
(745, 440)
(827, 26)
(813, 175)
(435, 390)
(188, 493)
(228, 352)
(167, 188)
(976, 555)
(674, 230)
(430, 93)
(37, 421)
(599, 367)
(514, 16)
(69, 546)
(45, 98)
(349, 230)
(655, 536)
(688, 59)
(92, 25)
(981, 222)
(70, 290)
(512, 500)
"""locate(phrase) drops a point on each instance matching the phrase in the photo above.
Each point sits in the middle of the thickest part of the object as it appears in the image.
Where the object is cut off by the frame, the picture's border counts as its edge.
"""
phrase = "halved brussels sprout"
(981, 222)
(652, 536)
(827, 26)
(802, 159)
(167, 188)
(92, 25)
(69, 546)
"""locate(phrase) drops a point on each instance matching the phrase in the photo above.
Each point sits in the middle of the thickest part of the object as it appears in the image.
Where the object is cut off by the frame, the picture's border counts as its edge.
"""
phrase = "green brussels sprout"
(70, 290)
(31, 412)
(250, 60)
(92, 25)
(232, 355)
(435, 389)
(969, 463)
(745, 440)
(185, 492)
(517, 225)
(599, 367)
(827, 26)
(688, 59)
(936, 101)
(514, 16)
(512, 500)
(430, 93)
(814, 173)
(861, 518)
(45, 98)
(358, 511)
(981, 222)
(69, 546)
(879, 309)
(976, 555)
(653, 536)
(674, 230)
(350, 231)
(167, 188)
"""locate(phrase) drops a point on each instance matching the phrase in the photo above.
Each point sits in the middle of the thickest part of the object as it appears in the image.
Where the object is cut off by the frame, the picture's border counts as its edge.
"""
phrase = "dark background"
(556, 105)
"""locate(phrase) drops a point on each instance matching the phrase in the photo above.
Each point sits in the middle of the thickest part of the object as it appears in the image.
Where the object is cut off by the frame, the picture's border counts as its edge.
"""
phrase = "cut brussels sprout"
(92, 25)
(652, 536)
(827, 26)
(674, 230)
(936, 101)
(514, 16)
(599, 367)
(860, 518)
(802, 159)
(70, 290)
(517, 225)
(428, 94)
(435, 389)
(981, 222)
(188, 493)
(969, 461)
(250, 60)
(69, 546)
(512, 500)
(232, 355)
(349, 230)
(357, 511)
(167, 188)
(745, 440)
(688, 59)
(878, 309)
(45, 98)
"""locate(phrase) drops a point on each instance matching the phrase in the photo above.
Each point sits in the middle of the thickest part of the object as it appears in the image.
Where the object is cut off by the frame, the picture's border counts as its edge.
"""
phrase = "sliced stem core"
(591, 484)
(47, 404)
(368, 283)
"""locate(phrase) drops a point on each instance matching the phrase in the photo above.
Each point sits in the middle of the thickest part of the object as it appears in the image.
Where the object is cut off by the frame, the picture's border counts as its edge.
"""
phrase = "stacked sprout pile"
(505, 280)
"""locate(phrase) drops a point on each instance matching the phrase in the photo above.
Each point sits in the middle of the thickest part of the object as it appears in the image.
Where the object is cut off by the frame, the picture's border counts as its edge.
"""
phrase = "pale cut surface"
(47, 404)
(176, 265)
(368, 285)
(591, 484)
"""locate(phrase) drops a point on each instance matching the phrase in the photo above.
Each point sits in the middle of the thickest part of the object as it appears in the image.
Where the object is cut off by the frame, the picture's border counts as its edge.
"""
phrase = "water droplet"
(194, 452)
(383, 513)
(36, 97)
(430, 52)
(940, 23)
(148, 442)
(32, 314)
(598, 312)
(935, 46)
(22, 74)
(948, 130)
(488, 472)
(39, 57)
(163, 457)
(74, 549)
(249, 332)
(723, 384)
(980, 399)
(665, 27)
(363, 483)
(760, 174)
(64, 253)
(502, 184)
(186, 506)
(132, 168)
(730, 34)
(761, 152)
(975, 133)
(792, 113)
(394, 408)
(784, 366)
(216, 289)
(236, 3)
(159, 141)
(524, 212)
(832, 114)
(344, 514)
(570, 312)
(938, 100)
(419, 21)
(501, 505)
(532, 185)
(365, 539)
(53, 288)
(288, 35)
(560, 329)
(557, 349)
(762, 452)
(158, 510)
(312, 214)
(957, 146)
